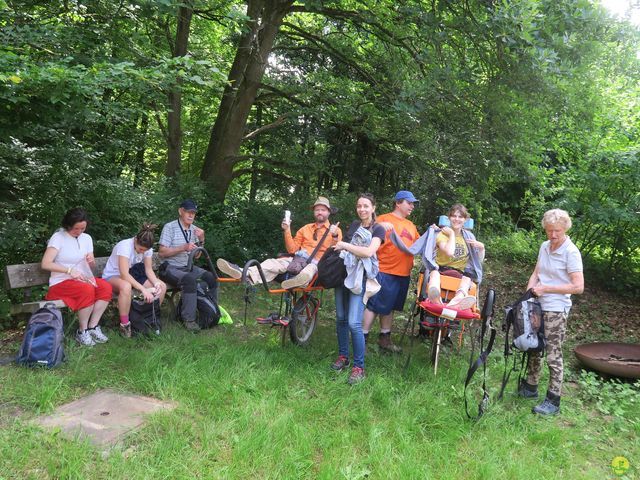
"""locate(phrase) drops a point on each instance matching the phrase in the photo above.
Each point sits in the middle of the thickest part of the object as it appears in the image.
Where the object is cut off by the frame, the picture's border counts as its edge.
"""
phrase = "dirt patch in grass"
(8, 413)
(9, 343)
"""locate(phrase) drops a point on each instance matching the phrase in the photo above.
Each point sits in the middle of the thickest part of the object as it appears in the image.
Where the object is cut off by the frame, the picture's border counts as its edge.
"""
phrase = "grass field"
(251, 408)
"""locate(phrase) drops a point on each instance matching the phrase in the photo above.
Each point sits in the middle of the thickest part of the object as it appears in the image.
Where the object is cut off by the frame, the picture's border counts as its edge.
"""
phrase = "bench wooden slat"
(30, 307)
(25, 275)
(31, 275)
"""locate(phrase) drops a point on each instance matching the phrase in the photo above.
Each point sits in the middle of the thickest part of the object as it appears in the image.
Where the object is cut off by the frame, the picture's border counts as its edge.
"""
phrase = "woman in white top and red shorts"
(69, 258)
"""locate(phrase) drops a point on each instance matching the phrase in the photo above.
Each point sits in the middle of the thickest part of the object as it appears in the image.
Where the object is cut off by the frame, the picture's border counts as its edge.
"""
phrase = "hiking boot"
(525, 390)
(125, 330)
(191, 325)
(231, 269)
(340, 364)
(97, 335)
(550, 406)
(84, 338)
(385, 343)
(300, 280)
(357, 375)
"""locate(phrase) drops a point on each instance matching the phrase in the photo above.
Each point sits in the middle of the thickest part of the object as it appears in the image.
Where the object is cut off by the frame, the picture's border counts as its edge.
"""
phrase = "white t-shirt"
(124, 248)
(554, 269)
(72, 252)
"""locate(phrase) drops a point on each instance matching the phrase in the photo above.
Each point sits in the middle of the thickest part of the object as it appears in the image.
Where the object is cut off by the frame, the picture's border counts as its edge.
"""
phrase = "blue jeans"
(349, 312)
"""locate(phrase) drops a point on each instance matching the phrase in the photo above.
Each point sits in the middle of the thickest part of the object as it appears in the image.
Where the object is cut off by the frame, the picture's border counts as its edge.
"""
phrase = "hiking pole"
(437, 347)
(248, 289)
(413, 324)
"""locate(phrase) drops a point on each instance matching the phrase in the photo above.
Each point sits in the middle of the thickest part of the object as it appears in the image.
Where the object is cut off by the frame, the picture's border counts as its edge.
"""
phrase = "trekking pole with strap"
(486, 316)
(249, 289)
(506, 328)
(410, 324)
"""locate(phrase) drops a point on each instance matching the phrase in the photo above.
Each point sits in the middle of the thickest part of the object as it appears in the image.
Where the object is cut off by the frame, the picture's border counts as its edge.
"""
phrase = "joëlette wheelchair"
(437, 321)
(298, 310)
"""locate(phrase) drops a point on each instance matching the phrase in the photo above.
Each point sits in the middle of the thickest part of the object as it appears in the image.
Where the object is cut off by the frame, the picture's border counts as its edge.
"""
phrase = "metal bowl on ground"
(616, 359)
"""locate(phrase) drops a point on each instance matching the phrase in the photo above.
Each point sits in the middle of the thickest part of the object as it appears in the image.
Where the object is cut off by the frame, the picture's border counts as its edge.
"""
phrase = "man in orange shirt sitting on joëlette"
(306, 240)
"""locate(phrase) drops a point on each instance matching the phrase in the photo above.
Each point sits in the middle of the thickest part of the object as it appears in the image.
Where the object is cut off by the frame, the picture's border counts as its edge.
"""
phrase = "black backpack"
(145, 317)
(43, 342)
(331, 270)
(208, 312)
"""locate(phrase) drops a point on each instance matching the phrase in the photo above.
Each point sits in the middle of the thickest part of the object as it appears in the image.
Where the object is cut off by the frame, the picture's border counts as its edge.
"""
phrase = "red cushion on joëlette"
(436, 309)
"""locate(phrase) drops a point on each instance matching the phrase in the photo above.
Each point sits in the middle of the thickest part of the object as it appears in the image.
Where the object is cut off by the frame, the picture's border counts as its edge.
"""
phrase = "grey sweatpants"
(186, 281)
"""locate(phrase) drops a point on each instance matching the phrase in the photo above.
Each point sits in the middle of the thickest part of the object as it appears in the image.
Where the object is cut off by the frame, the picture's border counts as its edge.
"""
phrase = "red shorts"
(76, 294)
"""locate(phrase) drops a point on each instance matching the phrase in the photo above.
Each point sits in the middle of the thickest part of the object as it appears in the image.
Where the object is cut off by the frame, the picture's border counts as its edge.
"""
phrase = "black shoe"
(526, 390)
(192, 326)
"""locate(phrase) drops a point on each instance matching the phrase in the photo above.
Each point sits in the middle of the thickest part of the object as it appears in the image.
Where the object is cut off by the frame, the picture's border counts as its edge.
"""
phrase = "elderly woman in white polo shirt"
(557, 275)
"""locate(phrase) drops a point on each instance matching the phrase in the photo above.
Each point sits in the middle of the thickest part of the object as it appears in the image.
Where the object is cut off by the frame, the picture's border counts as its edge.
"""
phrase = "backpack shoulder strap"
(315, 250)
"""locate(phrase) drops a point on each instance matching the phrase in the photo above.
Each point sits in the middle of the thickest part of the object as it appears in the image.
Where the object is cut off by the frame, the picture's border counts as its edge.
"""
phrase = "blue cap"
(405, 195)
(189, 205)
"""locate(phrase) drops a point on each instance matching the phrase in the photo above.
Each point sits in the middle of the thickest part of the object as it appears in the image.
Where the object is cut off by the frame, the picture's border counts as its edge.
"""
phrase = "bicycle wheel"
(303, 319)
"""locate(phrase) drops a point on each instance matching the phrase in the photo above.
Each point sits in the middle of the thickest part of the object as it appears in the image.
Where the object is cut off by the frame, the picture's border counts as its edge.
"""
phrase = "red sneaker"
(357, 375)
(340, 364)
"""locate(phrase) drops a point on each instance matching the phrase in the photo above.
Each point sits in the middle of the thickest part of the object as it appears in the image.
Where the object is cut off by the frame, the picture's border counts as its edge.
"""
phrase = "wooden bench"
(30, 275)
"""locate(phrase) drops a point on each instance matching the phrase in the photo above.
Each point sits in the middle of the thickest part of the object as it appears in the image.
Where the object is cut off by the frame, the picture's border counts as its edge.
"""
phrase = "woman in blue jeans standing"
(359, 248)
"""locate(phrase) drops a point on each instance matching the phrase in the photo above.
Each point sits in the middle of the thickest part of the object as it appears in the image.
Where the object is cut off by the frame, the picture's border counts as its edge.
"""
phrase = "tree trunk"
(265, 18)
(253, 190)
(138, 172)
(174, 129)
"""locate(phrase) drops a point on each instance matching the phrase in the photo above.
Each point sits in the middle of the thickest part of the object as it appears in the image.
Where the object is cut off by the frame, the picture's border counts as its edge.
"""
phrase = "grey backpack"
(526, 320)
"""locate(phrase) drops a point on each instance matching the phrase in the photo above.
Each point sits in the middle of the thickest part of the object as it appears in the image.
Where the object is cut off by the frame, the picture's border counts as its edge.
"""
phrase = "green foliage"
(517, 245)
(611, 397)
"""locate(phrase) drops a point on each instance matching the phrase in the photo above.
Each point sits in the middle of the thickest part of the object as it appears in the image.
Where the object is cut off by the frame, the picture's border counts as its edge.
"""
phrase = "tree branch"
(161, 126)
(284, 94)
(270, 173)
(279, 121)
(319, 41)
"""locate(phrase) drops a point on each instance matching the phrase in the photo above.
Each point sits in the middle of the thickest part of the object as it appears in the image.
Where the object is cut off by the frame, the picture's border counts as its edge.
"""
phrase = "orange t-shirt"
(392, 260)
(308, 237)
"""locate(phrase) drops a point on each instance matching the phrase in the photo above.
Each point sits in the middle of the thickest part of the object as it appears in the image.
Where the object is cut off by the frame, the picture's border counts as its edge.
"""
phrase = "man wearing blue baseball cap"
(395, 270)
(177, 240)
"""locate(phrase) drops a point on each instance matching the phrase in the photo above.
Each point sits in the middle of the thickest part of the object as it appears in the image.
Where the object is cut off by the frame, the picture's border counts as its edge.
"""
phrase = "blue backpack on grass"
(43, 342)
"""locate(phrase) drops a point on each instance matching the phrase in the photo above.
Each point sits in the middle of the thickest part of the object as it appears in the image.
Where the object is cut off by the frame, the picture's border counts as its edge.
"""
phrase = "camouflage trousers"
(555, 327)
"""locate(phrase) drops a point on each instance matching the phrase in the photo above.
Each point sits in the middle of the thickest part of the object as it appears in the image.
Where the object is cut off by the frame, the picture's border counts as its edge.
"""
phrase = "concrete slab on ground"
(104, 417)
